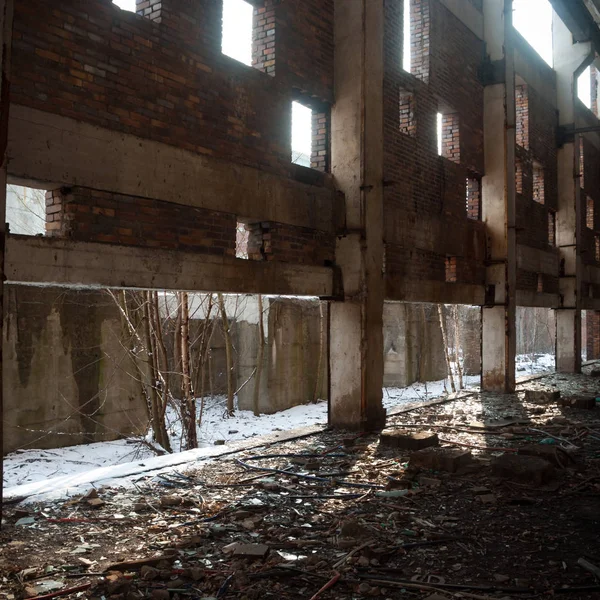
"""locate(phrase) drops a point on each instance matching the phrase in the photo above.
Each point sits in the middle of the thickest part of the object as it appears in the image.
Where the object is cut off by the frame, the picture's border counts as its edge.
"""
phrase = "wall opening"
(536, 334)
(538, 183)
(448, 136)
(597, 248)
(26, 212)
(415, 48)
(473, 188)
(408, 122)
(584, 87)
(522, 114)
(589, 213)
(129, 5)
(237, 37)
(241, 240)
(581, 164)
(533, 20)
(519, 175)
(451, 269)
(302, 134)
(552, 228)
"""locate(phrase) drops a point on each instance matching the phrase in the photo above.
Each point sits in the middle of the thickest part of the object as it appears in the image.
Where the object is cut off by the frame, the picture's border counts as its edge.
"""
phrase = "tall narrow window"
(538, 183)
(522, 113)
(581, 164)
(589, 213)
(415, 51)
(552, 228)
(519, 175)
(473, 198)
(129, 5)
(448, 136)
(597, 248)
(408, 124)
(451, 269)
(301, 134)
(237, 30)
(241, 240)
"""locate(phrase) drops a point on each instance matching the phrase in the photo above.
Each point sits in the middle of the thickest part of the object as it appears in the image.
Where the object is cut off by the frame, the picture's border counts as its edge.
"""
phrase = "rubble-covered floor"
(343, 510)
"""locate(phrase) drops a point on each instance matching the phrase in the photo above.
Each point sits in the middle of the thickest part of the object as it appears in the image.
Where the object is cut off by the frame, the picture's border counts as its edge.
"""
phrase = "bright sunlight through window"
(237, 30)
(406, 57)
(584, 87)
(125, 4)
(301, 134)
(533, 20)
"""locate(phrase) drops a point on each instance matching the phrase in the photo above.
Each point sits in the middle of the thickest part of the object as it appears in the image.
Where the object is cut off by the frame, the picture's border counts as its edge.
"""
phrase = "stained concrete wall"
(67, 376)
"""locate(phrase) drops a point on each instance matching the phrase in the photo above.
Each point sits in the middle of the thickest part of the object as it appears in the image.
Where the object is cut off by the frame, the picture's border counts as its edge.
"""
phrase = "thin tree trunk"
(186, 384)
(229, 355)
(161, 348)
(445, 342)
(259, 358)
(321, 349)
(158, 415)
(457, 347)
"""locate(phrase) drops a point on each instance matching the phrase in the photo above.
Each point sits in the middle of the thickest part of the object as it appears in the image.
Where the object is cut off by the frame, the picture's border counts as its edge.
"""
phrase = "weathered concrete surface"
(356, 337)
(67, 376)
(498, 206)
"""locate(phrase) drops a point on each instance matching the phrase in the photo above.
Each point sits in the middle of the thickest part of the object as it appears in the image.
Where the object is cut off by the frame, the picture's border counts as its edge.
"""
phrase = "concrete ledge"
(534, 299)
(434, 291)
(54, 150)
(39, 260)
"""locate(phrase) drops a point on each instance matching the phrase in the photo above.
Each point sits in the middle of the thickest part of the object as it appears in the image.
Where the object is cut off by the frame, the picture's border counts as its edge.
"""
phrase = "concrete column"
(6, 20)
(569, 61)
(498, 202)
(356, 323)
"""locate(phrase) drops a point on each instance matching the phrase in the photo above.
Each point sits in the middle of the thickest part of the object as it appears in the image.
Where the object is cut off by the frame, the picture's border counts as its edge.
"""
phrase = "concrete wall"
(66, 375)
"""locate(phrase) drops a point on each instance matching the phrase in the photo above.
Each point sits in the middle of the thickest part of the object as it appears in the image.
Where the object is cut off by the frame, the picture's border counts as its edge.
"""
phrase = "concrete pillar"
(569, 61)
(356, 323)
(6, 20)
(498, 202)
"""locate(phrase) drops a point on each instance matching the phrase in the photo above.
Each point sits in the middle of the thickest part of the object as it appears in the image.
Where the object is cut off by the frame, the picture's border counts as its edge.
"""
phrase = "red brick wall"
(425, 201)
(168, 81)
(263, 37)
(590, 194)
(92, 215)
(592, 324)
(522, 109)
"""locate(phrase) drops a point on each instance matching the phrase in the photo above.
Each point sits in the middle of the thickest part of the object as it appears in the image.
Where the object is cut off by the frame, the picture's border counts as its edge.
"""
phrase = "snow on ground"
(534, 364)
(66, 471)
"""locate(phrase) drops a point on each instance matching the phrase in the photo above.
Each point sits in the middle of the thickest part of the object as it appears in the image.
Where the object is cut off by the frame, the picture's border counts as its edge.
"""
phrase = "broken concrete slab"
(542, 396)
(239, 550)
(441, 459)
(407, 440)
(524, 469)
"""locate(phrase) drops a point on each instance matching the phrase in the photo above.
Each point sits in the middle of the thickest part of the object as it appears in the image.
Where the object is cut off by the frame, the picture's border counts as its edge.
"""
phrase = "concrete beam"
(356, 324)
(51, 261)
(56, 150)
(437, 292)
(467, 14)
(498, 204)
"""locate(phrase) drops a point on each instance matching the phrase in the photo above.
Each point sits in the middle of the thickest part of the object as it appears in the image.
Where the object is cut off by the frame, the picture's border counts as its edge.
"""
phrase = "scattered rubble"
(504, 506)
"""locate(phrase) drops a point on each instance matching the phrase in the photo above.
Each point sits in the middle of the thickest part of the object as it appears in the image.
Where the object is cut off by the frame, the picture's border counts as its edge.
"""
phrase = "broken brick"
(524, 469)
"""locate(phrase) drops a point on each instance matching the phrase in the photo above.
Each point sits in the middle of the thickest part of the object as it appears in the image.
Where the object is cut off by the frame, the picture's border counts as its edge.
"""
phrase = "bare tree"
(445, 341)
(259, 357)
(189, 403)
(229, 355)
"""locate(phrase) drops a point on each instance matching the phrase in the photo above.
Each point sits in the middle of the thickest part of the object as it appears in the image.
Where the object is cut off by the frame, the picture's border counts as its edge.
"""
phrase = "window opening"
(581, 164)
(238, 30)
(522, 113)
(451, 269)
(589, 213)
(584, 87)
(415, 48)
(241, 240)
(597, 247)
(27, 212)
(301, 134)
(552, 228)
(473, 198)
(408, 124)
(533, 20)
(448, 136)
(519, 175)
(129, 5)
(538, 183)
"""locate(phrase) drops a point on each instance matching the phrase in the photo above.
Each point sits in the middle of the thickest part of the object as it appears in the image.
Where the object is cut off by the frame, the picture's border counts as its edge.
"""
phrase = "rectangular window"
(522, 107)
(301, 134)
(415, 50)
(262, 27)
(451, 269)
(448, 133)
(597, 247)
(581, 164)
(473, 198)
(237, 36)
(408, 124)
(552, 228)
(241, 240)
(538, 183)
(589, 213)
(519, 175)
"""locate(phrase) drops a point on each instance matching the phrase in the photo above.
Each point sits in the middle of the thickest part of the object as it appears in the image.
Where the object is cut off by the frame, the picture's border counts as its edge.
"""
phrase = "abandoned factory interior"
(300, 299)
